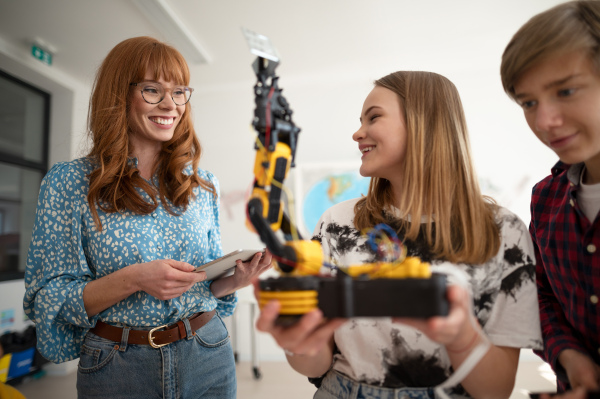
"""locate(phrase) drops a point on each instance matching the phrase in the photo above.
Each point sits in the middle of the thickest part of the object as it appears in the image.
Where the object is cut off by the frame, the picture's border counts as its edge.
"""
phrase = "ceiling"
(314, 37)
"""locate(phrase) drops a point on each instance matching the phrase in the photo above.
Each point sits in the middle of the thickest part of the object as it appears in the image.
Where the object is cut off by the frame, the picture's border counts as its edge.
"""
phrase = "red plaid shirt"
(567, 249)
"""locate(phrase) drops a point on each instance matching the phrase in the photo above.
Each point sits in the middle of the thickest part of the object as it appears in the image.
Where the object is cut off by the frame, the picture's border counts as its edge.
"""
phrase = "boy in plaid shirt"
(551, 68)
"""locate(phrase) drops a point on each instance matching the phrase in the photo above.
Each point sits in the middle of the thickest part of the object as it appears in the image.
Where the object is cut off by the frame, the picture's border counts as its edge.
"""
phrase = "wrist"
(569, 356)
(131, 278)
(467, 341)
(222, 287)
(466, 347)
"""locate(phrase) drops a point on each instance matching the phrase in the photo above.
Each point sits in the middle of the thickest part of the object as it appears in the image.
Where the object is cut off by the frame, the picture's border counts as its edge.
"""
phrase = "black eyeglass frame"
(165, 91)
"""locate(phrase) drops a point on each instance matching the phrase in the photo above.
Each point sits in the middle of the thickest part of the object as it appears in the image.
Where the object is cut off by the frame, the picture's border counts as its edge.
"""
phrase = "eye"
(151, 90)
(565, 92)
(527, 104)
(373, 117)
(178, 91)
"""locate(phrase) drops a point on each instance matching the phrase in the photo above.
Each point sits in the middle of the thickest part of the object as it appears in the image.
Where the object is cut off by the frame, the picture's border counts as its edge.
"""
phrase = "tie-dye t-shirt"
(378, 352)
(67, 252)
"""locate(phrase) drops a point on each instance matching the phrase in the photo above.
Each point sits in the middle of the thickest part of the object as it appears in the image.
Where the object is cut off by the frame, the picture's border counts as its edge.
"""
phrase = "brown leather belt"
(153, 337)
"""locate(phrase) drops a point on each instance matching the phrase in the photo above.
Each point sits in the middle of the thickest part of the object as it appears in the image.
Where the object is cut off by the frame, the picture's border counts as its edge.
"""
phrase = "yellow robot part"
(292, 302)
(265, 162)
(411, 267)
(261, 194)
(309, 257)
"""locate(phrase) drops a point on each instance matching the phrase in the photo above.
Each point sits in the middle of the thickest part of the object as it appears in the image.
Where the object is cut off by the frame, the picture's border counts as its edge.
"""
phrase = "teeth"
(162, 121)
(367, 149)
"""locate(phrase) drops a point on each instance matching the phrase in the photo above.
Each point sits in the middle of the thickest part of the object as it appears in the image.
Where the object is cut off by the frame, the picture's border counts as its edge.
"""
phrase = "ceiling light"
(168, 23)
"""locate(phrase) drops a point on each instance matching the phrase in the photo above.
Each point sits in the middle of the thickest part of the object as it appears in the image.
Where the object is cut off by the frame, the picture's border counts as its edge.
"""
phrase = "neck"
(146, 162)
(396, 190)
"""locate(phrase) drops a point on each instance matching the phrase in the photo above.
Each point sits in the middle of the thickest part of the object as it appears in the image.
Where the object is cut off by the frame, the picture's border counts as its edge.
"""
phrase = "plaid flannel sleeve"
(557, 332)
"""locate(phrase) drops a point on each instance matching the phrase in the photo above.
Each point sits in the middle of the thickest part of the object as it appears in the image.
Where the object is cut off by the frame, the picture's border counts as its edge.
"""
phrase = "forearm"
(555, 345)
(223, 287)
(106, 291)
(557, 333)
(494, 375)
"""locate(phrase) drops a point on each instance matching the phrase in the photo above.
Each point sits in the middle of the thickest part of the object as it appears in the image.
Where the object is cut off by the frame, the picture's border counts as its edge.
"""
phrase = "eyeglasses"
(153, 93)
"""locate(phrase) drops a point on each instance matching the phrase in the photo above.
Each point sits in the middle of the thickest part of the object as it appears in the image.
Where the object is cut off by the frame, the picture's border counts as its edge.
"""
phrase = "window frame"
(16, 161)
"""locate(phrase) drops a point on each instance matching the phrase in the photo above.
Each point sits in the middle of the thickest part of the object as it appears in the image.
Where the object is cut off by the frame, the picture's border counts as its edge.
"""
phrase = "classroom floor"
(278, 380)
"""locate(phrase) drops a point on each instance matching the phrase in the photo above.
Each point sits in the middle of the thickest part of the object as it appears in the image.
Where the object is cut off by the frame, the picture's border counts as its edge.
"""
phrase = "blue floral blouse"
(67, 251)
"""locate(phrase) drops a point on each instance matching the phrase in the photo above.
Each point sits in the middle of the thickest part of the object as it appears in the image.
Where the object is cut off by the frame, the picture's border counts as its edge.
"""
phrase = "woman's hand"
(163, 279)
(166, 278)
(243, 274)
(454, 331)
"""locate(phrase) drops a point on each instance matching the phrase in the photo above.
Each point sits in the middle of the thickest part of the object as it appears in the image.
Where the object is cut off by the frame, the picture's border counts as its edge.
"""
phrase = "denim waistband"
(337, 385)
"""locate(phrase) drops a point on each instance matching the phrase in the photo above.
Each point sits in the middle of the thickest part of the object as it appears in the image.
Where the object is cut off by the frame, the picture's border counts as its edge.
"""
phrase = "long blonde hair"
(438, 175)
(114, 181)
(571, 26)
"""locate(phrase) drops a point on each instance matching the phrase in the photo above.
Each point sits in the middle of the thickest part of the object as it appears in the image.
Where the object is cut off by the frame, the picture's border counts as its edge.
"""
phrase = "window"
(24, 117)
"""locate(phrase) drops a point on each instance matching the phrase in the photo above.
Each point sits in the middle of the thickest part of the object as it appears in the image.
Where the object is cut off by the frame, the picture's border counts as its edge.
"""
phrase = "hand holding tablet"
(224, 265)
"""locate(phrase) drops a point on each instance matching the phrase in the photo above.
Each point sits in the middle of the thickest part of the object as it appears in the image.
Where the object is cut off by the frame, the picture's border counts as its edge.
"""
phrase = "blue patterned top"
(67, 252)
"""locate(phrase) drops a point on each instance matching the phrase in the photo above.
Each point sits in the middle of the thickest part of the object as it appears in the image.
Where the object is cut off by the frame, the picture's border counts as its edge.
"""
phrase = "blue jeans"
(200, 366)
(337, 386)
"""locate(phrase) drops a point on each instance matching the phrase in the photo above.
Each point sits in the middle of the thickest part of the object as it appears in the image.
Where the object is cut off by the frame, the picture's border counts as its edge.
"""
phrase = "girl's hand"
(166, 278)
(308, 336)
(454, 331)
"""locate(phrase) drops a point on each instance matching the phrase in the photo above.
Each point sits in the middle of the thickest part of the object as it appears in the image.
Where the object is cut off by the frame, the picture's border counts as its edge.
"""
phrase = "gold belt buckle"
(151, 339)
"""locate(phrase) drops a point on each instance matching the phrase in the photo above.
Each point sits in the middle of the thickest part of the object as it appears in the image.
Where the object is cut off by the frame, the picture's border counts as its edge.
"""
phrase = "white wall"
(327, 102)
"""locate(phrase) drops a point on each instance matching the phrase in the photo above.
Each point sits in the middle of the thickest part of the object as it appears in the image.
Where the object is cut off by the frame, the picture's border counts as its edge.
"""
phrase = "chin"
(363, 172)
(572, 159)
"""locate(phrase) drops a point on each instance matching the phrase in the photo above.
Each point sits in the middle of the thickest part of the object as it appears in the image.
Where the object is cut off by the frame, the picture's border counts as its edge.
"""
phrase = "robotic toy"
(397, 286)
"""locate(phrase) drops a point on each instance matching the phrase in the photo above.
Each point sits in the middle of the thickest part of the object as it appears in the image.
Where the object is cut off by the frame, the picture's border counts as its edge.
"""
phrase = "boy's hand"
(581, 369)
(579, 393)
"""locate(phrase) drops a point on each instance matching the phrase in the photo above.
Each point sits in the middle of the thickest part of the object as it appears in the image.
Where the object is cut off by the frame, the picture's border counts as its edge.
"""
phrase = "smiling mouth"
(367, 149)
(162, 121)
(558, 143)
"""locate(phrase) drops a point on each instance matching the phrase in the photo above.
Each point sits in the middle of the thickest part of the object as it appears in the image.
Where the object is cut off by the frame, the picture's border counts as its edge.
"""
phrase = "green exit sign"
(41, 54)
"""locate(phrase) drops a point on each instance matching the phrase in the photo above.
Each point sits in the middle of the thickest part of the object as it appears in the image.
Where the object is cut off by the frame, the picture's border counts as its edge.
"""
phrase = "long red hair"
(114, 181)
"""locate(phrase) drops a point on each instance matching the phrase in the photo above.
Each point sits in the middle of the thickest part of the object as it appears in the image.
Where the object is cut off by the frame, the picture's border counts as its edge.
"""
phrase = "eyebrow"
(552, 84)
(369, 110)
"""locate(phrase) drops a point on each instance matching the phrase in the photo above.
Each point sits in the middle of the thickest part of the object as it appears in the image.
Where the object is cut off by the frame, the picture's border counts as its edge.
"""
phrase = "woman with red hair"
(118, 233)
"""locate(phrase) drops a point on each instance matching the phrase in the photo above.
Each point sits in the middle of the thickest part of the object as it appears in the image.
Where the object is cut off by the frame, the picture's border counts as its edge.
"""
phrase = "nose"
(359, 134)
(167, 102)
(547, 117)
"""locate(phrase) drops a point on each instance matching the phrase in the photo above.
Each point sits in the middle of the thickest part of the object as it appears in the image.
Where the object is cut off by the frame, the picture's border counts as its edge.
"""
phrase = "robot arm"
(275, 155)
(390, 284)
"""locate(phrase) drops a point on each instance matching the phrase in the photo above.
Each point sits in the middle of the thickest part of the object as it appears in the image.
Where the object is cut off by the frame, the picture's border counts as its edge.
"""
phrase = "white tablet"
(224, 265)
